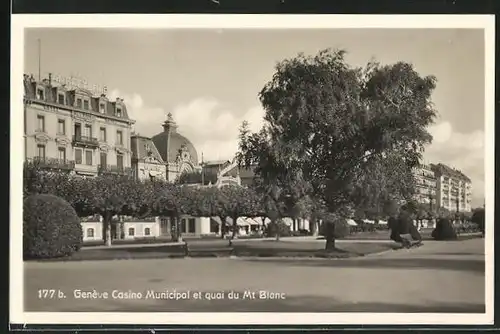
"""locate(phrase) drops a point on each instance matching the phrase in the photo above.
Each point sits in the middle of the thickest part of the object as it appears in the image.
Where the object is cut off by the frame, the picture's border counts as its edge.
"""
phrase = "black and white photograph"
(252, 170)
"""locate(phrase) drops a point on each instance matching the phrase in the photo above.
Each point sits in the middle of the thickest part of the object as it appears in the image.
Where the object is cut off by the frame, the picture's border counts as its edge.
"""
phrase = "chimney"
(50, 79)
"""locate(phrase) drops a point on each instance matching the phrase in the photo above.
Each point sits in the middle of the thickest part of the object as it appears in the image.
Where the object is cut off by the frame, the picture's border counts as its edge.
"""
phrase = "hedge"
(51, 227)
(444, 230)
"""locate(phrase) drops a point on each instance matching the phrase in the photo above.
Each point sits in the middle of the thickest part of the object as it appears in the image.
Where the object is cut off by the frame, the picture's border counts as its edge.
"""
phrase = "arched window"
(147, 231)
(131, 231)
(90, 232)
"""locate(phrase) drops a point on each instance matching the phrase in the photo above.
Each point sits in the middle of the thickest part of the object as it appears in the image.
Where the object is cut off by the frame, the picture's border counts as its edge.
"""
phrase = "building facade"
(454, 189)
(74, 130)
(426, 186)
(147, 163)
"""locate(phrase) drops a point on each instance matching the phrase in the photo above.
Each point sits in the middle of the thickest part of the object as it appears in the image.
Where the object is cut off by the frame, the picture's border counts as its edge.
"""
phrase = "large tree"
(326, 121)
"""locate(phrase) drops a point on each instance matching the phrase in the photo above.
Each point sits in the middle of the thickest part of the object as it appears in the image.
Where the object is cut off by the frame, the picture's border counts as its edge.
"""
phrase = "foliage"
(478, 217)
(444, 230)
(329, 126)
(341, 228)
(196, 177)
(277, 228)
(443, 213)
(51, 227)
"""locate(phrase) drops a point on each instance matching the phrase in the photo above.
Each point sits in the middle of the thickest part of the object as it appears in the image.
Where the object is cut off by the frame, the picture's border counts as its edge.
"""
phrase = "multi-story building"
(454, 189)
(147, 163)
(70, 128)
(426, 185)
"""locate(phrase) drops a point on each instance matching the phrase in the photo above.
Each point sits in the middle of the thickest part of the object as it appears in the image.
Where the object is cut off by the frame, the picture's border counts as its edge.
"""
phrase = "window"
(78, 130)
(60, 98)
(88, 131)
(118, 112)
(147, 231)
(183, 225)
(191, 225)
(102, 134)
(131, 231)
(79, 103)
(41, 151)
(41, 123)
(119, 161)
(40, 94)
(102, 108)
(86, 104)
(88, 158)
(104, 158)
(62, 153)
(119, 137)
(78, 156)
(90, 233)
(61, 127)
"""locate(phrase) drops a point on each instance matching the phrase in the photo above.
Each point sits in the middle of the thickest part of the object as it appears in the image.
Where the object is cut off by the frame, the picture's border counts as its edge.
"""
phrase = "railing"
(85, 140)
(53, 163)
(113, 169)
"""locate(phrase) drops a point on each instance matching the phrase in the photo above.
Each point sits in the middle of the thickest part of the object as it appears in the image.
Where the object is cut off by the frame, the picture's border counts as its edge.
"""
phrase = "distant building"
(426, 185)
(147, 163)
(454, 189)
(224, 172)
(72, 129)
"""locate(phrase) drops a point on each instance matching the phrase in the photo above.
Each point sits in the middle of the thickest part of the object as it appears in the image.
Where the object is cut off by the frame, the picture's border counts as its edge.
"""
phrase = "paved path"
(438, 277)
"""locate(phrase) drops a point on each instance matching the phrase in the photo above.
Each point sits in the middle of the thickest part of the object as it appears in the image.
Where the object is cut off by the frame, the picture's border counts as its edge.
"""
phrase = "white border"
(19, 22)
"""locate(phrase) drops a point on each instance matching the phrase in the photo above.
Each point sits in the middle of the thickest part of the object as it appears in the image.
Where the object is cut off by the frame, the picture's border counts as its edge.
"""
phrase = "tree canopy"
(349, 136)
(333, 125)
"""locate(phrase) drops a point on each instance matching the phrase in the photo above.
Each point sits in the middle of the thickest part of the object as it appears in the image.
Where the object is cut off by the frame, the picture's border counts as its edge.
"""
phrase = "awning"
(382, 222)
(154, 173)
(351, 222)
(368, 221)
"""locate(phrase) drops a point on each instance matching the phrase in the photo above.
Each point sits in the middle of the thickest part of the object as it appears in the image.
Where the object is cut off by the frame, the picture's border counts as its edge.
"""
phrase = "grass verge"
(239, 249)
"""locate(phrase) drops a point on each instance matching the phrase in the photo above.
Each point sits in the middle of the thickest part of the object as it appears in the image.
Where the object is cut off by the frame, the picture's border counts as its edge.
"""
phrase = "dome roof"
(170, 144)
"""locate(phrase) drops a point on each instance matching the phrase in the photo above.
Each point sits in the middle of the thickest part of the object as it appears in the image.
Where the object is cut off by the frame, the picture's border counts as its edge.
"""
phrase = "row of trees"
(108, 196)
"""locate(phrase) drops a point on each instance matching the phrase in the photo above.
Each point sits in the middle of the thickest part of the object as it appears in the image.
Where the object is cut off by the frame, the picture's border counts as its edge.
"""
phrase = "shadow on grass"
(476, 266)
(316, 304)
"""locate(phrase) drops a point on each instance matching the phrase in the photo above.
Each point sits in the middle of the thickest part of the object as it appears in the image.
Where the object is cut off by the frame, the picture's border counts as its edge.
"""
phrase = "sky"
(210, 79)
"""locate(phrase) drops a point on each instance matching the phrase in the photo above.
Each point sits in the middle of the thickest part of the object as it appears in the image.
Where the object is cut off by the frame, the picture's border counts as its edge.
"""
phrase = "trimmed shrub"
(342, 229)
(51, 227)
(444, 230)
(272, 228)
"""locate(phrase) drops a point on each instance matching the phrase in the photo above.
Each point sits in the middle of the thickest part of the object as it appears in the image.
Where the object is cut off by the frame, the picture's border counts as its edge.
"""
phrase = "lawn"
(221, 248)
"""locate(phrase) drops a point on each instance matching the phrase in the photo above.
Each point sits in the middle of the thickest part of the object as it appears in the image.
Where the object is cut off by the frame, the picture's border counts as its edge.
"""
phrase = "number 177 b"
(46, 293)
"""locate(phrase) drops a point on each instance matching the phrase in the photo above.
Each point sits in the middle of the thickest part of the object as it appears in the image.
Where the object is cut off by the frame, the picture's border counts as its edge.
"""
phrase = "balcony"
(85, 141)
(52, 163)
(112, 169)
(85, 169)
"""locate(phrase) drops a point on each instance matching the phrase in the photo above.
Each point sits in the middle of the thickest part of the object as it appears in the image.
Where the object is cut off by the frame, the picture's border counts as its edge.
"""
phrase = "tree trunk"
(235, 228)
(179, 232)
(277, 229)
(329, 236)
(222, 227)
(107, 229)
